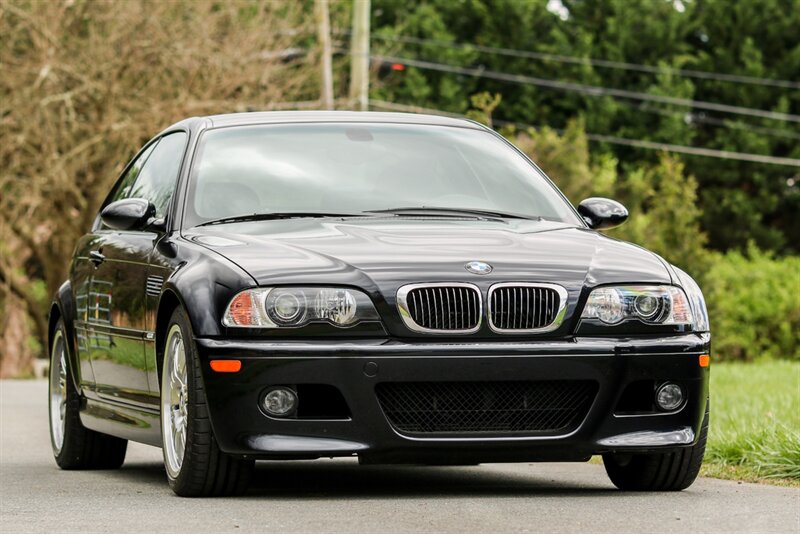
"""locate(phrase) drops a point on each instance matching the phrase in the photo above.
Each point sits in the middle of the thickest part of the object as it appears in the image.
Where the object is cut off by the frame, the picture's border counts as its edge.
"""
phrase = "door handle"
(96, 257)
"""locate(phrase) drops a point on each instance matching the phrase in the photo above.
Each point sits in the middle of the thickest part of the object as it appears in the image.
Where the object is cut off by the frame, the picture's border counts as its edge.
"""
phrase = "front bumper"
(242, 429)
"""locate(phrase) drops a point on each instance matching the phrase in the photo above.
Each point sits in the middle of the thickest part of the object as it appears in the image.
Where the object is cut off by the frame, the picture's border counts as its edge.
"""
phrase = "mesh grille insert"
(547, 407)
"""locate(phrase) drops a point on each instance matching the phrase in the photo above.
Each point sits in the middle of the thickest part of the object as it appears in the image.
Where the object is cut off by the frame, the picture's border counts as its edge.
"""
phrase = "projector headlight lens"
(286, 307)
(291, 307)
(646, 306)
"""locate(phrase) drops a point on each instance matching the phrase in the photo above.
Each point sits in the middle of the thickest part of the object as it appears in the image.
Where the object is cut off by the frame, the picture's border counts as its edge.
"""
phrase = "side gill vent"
(154, 284)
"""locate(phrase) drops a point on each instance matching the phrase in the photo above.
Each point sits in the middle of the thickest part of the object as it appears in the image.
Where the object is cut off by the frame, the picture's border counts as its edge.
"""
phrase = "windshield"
(362, 167)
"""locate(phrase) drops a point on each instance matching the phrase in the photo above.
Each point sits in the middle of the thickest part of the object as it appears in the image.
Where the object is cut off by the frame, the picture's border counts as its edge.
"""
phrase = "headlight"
(666, 305)
(696, 300)
(282, 307)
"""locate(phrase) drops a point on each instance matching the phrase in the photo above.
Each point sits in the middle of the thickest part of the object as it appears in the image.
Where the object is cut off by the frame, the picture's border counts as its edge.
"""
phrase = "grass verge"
(755, 422)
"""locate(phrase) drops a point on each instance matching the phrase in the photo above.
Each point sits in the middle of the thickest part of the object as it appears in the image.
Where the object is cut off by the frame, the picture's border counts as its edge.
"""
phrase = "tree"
(84, 84)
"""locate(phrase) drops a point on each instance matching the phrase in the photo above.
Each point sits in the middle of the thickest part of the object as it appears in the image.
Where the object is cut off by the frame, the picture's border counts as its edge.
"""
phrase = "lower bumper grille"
(544, 407)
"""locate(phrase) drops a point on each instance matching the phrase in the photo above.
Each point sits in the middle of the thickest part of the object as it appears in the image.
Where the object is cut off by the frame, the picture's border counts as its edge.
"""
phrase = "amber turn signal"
(226, 366)
(705, 359)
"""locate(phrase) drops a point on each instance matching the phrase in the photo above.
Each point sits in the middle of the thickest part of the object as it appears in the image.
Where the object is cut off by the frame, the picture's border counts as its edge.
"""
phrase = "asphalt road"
(328, 495)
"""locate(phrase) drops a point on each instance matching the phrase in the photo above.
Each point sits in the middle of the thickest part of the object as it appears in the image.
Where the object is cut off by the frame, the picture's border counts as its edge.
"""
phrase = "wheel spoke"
(178, 367)
(180, 446)
(174, 360)
(178, 420)
(182, 378)
(179, 380)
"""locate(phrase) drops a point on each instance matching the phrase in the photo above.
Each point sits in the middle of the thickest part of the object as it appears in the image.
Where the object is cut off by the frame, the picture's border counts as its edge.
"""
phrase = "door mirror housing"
(602, 213)
(129, 214)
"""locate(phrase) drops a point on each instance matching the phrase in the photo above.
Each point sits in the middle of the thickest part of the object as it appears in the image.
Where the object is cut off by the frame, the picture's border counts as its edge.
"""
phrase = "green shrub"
(754, 305)
(664, 214)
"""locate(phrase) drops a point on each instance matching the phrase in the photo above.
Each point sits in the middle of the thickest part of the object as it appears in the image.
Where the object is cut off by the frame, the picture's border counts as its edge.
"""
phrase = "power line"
(649, 145)
(695, 151)
(693, 118)
(592, 90)
(560, 58)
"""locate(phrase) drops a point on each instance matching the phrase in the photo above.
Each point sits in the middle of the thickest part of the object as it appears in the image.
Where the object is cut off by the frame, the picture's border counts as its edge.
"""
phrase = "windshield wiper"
(452, 212)
(277, 215)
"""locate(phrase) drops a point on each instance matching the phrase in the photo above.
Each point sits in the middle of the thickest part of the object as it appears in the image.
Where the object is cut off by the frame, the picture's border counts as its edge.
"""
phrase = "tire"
(194, 464)
(672, 471)
(75, 446)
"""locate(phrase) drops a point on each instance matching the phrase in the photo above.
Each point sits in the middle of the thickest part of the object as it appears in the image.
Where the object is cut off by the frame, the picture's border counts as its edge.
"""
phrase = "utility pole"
(324, 28)
(359, 55)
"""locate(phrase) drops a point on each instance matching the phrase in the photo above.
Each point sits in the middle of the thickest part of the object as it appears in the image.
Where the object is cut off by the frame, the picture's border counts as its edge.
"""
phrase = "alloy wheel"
(174, 401)
(58, 391)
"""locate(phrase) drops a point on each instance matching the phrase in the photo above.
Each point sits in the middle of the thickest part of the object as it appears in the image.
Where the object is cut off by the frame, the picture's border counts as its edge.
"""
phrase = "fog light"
(669, 396)
(280, 401)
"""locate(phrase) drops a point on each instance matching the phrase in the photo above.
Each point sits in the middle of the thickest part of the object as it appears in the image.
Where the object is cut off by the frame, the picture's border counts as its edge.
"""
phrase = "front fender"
(63, 306)
(204, 284)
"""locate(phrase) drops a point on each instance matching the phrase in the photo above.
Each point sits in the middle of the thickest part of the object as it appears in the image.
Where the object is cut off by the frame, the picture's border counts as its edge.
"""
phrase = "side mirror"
(128, 214)
(602, 213)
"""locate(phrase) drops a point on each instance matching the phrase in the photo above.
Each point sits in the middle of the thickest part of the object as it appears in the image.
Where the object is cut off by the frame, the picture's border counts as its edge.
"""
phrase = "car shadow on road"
(323, 479)
(339, 479)
(326, 480)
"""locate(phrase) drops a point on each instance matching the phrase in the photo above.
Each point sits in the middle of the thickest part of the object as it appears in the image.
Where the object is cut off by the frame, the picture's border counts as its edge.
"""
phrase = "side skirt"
(122, 421)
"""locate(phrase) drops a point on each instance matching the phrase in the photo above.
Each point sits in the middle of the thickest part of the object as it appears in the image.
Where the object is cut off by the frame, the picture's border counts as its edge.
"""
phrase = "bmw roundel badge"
(478, 267)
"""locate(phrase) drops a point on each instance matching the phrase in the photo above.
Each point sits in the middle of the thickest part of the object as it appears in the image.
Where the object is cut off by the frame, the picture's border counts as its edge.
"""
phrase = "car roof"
(284, 117)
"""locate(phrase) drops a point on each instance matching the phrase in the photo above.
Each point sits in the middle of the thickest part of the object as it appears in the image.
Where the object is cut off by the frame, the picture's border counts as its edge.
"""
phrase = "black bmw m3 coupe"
(401, 288)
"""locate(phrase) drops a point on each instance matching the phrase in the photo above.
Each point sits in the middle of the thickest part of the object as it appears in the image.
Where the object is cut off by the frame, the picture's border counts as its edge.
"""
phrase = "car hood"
(383, 253)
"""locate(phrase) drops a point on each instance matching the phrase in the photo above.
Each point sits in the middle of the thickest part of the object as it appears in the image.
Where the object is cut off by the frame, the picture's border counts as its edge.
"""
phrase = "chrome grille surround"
(532, 304)
(450, 302)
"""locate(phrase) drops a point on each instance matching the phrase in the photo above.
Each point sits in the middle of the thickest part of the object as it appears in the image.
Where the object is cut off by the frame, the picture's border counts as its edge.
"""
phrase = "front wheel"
(195, 466)
(672, 471)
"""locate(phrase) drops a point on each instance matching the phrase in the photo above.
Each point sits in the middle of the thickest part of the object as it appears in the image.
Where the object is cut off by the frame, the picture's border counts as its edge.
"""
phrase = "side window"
(123, 187)
(156, 180)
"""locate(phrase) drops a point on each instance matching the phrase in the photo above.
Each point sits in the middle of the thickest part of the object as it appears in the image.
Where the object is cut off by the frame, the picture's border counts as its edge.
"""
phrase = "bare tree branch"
(83, 84)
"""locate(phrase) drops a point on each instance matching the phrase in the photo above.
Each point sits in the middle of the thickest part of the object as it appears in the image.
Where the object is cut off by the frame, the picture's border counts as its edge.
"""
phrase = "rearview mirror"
(602, 213)
(128, 214)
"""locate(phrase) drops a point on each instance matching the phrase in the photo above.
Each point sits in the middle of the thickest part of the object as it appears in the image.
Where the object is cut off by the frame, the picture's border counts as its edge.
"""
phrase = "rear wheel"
(75, 446)
(672, 471)
(195, 466)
